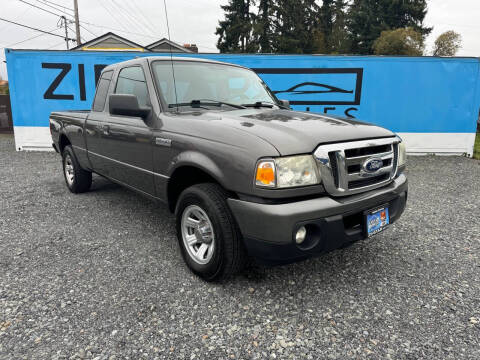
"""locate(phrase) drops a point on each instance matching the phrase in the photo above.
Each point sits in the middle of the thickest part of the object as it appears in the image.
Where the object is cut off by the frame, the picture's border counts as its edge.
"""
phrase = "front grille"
(346, 167)
(367, 150)
(333, 162)
(355, 184)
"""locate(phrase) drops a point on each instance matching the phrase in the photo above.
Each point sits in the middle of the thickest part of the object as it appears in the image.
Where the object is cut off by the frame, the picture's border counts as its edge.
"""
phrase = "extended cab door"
(94, 125)
(126, 141)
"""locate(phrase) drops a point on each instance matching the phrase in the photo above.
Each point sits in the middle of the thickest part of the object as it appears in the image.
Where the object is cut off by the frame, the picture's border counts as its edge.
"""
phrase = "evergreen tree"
(332, 34)
(236, 31)
(406, 13)
(319, 43)
(368, 18)
(295, 23)
(326, 12)
(339, 41)
(263, 31)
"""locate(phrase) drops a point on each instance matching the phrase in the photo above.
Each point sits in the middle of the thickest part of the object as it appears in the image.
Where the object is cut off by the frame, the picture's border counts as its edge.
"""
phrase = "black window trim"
(144, 78)
(103, 77)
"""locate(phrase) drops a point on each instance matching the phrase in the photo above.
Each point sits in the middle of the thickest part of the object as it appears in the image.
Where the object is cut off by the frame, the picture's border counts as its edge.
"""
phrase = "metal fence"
(6, 125)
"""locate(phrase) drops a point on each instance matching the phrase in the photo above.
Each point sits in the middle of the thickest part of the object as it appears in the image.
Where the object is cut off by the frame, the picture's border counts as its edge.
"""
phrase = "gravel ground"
(100, 275)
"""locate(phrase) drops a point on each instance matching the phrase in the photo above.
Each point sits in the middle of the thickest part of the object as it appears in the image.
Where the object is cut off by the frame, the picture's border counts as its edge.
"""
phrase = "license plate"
(377, 220)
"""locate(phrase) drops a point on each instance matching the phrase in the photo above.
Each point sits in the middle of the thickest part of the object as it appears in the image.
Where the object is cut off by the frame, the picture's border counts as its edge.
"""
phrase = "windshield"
(207, 83)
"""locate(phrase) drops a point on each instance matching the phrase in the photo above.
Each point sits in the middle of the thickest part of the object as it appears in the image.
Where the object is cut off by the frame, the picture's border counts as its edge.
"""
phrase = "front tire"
(77, 179)
(208, 235)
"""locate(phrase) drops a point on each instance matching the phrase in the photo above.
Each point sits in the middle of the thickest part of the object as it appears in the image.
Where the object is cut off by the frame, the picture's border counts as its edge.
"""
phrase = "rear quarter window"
(102, 91)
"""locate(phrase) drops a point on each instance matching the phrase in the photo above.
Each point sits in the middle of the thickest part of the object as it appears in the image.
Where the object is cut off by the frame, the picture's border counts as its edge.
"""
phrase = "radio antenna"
(171, 54)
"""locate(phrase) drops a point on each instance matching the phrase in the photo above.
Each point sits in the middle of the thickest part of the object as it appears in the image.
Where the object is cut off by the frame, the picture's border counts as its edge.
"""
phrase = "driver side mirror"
(285, 103)
(126, 105)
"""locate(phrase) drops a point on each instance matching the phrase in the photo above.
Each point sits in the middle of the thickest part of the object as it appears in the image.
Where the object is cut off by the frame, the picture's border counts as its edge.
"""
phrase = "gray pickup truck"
(243, 173)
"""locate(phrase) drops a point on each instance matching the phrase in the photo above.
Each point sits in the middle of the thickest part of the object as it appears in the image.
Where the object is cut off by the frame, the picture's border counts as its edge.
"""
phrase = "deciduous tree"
(447, 44)
(405, 41)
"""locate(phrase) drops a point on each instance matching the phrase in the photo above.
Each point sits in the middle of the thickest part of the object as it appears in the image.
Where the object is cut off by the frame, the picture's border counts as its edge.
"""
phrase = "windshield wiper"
(260, 104)
(206, 102)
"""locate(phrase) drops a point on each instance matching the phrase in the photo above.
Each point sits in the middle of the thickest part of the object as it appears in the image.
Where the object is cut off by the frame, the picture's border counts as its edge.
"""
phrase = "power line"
(87, 23)
(38, 7)
(81, 38)
(84, 28)
(60, 43)
(83, 23)
(132, 14)
(69, 28)
(142, 14)
(110, 13)
(131, 17)
(30, 38)
(125, 17)
(53, 7)
(56, 14)
(57, 4)
(16, 18)
(119, 30)
(32, 28)
(138, 34)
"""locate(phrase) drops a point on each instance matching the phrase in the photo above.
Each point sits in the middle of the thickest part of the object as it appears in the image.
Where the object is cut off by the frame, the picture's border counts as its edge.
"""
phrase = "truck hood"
(293, 132)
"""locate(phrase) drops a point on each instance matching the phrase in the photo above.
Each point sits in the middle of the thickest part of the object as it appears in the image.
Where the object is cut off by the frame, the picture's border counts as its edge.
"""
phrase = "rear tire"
(209, 238)
(77, 179)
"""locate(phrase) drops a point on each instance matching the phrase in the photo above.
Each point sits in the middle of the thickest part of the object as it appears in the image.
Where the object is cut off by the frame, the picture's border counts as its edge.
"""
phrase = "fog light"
(301, 235)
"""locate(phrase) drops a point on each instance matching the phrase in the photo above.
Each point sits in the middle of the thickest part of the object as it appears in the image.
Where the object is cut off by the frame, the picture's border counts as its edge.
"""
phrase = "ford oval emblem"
(372, 165)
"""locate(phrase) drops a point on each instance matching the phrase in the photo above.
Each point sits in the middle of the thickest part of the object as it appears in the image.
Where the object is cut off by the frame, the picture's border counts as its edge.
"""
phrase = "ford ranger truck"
(243, 173)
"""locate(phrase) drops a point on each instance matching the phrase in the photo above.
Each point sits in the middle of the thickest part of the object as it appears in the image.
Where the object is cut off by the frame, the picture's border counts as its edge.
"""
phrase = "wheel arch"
(190, 169)
(63, 141)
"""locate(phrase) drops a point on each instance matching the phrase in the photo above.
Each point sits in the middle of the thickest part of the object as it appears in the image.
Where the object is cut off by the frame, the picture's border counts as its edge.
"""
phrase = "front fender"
(199, 161)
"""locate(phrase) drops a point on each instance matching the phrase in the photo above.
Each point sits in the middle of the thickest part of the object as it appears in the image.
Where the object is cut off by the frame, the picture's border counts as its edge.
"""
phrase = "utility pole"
(77, 22)
(64, 21)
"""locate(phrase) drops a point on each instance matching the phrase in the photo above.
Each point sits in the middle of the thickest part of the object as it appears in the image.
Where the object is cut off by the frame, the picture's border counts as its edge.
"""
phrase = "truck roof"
(148, 59)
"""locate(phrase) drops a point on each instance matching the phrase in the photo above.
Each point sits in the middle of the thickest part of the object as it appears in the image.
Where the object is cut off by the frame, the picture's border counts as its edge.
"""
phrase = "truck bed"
(70, 123)
(71, 113)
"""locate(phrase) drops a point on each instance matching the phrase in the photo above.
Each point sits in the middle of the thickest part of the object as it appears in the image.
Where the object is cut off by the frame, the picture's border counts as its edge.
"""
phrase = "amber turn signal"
(265, 173)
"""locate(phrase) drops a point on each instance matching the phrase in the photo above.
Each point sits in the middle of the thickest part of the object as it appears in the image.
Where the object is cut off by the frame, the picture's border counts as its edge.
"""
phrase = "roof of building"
(110, 42)
(173, 45)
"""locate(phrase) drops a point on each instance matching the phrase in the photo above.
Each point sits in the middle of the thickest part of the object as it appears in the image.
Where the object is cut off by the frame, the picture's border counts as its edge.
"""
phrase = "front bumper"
(268, 230)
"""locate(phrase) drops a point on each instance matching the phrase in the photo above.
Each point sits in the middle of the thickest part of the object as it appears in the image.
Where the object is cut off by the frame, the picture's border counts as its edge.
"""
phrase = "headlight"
(402, 154)
(287, 172)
